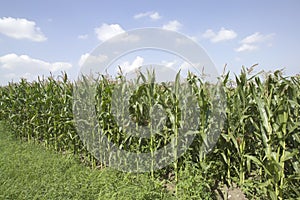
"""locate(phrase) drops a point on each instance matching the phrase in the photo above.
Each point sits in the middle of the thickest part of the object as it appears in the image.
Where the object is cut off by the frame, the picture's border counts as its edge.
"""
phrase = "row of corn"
(259, 144)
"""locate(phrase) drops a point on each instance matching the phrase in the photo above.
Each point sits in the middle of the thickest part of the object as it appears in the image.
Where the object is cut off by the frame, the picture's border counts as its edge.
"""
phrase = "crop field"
(256, 154)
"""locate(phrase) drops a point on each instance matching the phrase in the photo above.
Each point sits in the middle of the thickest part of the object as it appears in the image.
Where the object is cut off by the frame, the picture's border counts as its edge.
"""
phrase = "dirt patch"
(233, 193)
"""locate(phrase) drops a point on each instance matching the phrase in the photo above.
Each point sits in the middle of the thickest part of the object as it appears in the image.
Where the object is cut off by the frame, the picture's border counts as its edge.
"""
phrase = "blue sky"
(37, 37)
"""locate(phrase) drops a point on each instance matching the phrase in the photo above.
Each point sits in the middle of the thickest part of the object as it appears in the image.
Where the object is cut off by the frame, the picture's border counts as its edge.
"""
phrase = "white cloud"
(222, 35)
(107, 31)
(250, 43)
(182, 65)
(172, 25)
(141, 15)
(87, 59)
(155, 16)
(256, 37)
(169, 64)
(209, 34)
(126, 37)
(15, 62)
(83, 58)
(83, 37)
(15, 66)
(246, 47)
(129, 67)
(59, 66)
(20, 28)
(151, 15)
(177, 64)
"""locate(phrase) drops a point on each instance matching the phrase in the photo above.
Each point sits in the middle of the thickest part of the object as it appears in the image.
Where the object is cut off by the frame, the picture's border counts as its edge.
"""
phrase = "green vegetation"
(29, 171)
(258, 150)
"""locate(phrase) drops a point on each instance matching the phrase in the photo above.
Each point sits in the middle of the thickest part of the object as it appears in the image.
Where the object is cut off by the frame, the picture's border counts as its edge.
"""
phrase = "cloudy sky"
(39, 37)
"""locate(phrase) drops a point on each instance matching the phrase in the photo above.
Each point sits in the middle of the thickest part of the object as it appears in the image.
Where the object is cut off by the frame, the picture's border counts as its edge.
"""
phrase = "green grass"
(29, 171)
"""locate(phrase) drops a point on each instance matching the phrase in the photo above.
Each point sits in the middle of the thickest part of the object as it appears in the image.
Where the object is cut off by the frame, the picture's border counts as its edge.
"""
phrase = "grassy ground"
(29, 171)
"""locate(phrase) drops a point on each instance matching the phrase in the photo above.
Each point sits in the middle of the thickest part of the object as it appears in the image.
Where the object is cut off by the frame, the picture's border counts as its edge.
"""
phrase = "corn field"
(259, 145)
